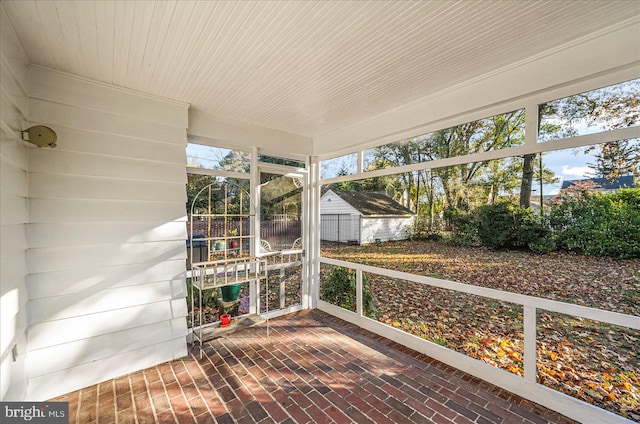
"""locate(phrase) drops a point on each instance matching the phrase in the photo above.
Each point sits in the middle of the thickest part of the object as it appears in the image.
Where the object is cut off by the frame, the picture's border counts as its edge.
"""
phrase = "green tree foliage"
(607, 108)
(236, 161)
(381, 184)
(196, 183)
(213, 198)
(615, 159)
(462, 187)
(465, 185)
(209, 194)
(280, 195)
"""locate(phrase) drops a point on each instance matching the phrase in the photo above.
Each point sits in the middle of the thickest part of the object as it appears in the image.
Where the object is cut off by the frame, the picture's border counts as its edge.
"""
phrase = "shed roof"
(372, 203)
(620, 182)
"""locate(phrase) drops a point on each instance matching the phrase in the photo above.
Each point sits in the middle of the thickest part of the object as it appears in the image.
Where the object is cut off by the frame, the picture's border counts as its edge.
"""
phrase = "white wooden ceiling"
(304, 67)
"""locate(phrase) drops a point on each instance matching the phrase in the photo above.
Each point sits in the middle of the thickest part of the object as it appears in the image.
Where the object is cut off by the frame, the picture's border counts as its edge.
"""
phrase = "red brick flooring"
(313, 368)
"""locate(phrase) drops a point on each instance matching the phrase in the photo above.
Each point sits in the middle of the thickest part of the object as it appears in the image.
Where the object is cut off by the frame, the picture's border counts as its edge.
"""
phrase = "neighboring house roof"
(372, 203)
(621, 182)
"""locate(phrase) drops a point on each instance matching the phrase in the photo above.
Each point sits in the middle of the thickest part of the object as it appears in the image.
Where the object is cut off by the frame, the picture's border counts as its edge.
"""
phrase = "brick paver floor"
(313, 368)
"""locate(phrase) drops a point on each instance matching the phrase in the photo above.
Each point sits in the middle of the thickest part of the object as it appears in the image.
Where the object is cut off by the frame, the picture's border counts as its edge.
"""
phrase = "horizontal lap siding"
(88, 142)
(13, 215)
(86, 350)
(385, 228)
(57, 186)
(107, 233)
(84, 374)
(63, 258)
(104, 211)
(92, 233)
(60, 163)
(86, 280)
(331, 203)
(51, 334)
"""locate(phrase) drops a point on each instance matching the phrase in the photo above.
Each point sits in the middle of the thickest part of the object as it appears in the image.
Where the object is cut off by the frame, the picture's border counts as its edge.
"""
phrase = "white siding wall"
(13, 214)
(331, 203)
(107, 233)
(385, 228)
(339, 220)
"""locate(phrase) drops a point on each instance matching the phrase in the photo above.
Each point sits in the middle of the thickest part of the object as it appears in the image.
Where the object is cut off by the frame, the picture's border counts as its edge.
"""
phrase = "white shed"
(363, 217)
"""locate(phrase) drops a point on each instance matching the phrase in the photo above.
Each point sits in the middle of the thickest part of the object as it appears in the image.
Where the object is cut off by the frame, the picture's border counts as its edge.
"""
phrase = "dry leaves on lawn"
(589, 360)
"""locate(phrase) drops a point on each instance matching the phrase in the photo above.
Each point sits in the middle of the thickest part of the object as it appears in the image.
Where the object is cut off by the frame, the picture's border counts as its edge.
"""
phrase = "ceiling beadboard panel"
(303, 67)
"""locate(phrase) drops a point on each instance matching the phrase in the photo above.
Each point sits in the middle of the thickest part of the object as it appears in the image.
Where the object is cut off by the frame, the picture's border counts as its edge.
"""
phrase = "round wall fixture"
(41, 136)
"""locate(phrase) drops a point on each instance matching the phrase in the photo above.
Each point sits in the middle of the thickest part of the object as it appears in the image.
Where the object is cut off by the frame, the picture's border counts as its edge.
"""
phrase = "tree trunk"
(527, 181)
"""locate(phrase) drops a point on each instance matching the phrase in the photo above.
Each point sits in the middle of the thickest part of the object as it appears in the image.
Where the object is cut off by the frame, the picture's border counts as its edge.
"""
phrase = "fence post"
(530, 370)
(359, 292)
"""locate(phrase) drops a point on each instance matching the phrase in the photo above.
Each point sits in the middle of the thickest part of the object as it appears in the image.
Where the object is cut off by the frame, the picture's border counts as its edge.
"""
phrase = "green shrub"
(507, 226)
(339, 288)
(423, 229)
(543, 245)
(497, 226)
(598, 224)
(464, 228)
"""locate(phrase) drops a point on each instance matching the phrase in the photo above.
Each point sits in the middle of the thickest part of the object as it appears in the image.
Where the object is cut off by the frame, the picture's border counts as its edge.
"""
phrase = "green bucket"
(230, 293)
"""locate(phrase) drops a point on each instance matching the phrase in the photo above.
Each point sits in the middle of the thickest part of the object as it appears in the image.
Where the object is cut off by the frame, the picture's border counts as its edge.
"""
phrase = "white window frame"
(526, 387)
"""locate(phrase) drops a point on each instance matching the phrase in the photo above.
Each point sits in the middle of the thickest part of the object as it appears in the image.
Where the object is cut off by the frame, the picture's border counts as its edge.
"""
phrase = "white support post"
(313, 256)
(307, 235)
(530, 371)
(359, 292)
(531, 124)
(530, 367)
(254, 289)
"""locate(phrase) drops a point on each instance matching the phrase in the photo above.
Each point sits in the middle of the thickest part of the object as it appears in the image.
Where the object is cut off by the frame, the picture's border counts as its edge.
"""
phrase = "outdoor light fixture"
(40, 136)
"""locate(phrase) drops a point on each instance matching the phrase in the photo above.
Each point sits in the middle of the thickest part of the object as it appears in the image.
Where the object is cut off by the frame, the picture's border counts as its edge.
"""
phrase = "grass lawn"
(592, 361)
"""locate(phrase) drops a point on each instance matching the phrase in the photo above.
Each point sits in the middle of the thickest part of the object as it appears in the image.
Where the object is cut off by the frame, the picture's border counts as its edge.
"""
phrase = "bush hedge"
(598, 224)
(580, 221)
(508, 226)
(465, 228)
